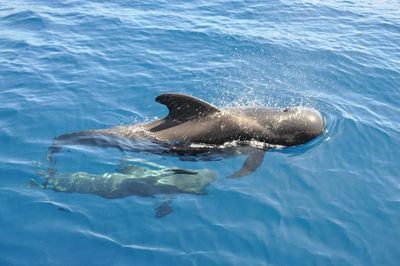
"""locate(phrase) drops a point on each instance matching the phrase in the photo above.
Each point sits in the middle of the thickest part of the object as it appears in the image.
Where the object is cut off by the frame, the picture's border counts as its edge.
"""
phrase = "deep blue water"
(73, 65)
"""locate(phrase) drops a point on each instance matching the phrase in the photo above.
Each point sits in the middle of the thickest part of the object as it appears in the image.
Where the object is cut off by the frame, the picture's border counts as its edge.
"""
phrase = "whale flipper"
(252, 162)
(164, 209)
(184, 107)
(180, 171)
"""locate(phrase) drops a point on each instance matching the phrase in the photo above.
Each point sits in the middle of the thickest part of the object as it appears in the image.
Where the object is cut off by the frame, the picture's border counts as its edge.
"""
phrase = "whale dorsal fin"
(183, 107)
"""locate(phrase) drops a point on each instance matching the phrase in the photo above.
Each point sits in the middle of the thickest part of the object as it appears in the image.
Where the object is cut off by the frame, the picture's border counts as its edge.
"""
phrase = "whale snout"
(314, 122)
(297, 125)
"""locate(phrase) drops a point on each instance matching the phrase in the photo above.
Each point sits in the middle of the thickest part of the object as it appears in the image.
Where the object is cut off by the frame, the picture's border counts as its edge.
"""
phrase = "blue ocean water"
(73, 65)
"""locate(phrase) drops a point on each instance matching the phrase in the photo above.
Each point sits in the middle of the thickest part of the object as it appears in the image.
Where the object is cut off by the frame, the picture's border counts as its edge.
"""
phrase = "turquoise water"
(73, 65)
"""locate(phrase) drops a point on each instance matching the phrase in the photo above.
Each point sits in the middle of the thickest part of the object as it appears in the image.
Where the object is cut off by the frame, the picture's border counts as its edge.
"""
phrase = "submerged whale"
(147, 180)
(198, 129)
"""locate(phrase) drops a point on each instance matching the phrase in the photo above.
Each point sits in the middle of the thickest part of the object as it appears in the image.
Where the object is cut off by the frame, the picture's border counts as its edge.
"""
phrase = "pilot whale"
(199, 129)
(134, 177)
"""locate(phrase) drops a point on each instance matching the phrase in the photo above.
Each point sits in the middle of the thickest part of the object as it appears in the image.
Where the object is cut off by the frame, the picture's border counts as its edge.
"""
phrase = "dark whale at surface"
(198, 129)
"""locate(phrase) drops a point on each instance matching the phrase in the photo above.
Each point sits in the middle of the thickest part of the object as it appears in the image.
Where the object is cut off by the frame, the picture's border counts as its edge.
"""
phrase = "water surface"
(72, 65)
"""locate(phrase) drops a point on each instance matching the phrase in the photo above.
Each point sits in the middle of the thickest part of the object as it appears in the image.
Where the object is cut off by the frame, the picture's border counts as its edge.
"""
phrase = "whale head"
(304, 124)
(290, 126)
